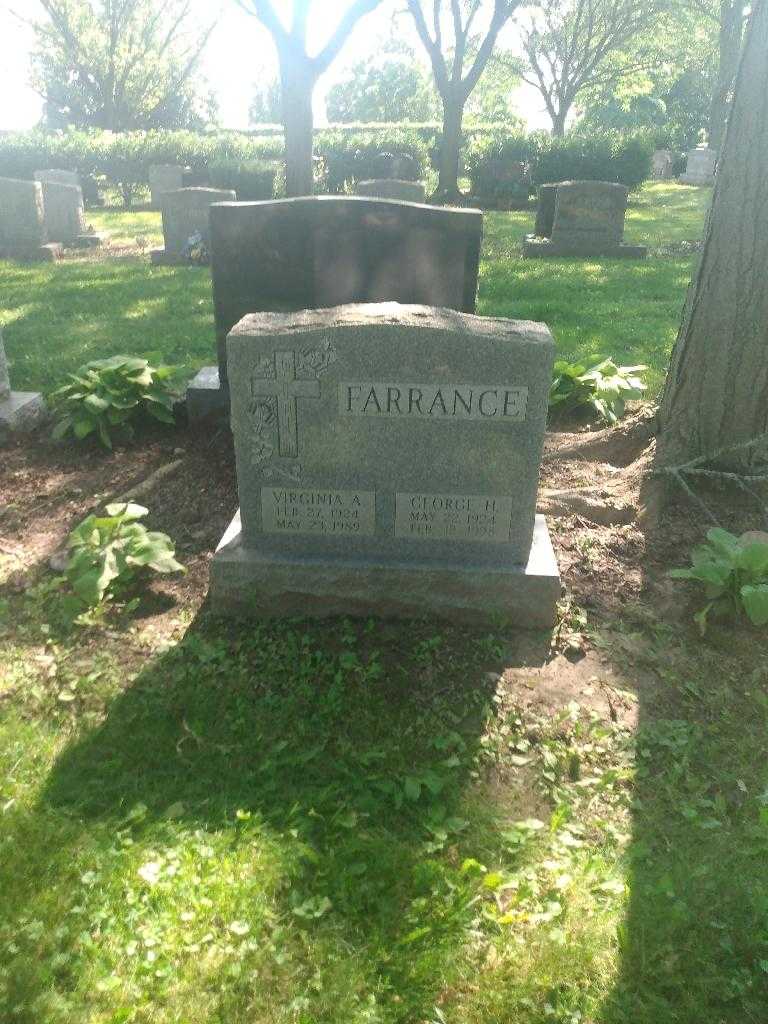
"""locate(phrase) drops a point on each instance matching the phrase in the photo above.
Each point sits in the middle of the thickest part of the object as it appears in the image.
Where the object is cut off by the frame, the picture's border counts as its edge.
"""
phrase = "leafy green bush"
(603, 387)
(351, 157)
(734, 573)
(499, 167)
(107, 553)
(252, 180)
(109, 393)
(626, 159)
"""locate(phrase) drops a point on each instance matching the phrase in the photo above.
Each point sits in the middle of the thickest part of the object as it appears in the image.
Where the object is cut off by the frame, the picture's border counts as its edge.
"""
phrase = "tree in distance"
(120, 65)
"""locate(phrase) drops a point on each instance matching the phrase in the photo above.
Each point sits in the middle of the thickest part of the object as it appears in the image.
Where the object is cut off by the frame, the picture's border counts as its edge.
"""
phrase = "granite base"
(21, 412)
(534, 247)
(32, 253)
(245, 582)
(162, 258)
(90, 240)
(206, 397)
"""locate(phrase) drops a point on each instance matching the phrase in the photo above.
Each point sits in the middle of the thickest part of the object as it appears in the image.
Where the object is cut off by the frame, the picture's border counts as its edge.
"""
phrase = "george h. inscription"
(434, 401)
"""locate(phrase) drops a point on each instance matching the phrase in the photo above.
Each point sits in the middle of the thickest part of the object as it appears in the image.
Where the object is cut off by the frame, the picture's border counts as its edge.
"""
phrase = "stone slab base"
(544, 247)
(206, 397)
(161, 258)
(245, 582)
(695, 180)
(21, 412)
(90, 240)
(33, 253)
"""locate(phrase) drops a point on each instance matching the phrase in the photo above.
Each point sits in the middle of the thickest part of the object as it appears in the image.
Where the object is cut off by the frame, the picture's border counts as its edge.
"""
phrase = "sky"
(240, 52)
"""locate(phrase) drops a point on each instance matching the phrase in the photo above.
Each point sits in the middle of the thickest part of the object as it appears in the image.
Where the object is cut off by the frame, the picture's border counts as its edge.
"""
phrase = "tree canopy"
(120, 64)
(389, 86)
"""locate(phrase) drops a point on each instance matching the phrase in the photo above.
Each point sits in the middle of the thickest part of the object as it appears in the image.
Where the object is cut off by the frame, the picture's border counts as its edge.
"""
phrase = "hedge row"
(503, 166)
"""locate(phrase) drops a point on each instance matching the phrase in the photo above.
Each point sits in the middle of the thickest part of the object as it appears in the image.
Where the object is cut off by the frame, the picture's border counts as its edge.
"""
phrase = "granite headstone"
(58, 176)
(588, 221)
(545, 211)
(700, 167)
(23, 234)
(186, 216)
(309, 253)
(393, 188)
(164, 178)
(64, 212)
(387, 461)
(20, 411)
(661, 164)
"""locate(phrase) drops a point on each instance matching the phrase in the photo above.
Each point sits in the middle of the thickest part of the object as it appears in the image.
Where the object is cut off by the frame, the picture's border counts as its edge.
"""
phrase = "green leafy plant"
(734, 573)
(602, 386)
(107, 553)
(109, 393)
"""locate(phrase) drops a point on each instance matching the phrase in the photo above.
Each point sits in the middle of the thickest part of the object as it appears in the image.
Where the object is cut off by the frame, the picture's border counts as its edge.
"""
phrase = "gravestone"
(23, 234)
(58, 177)
(393, 188)
(401, 166)
(323, 251)
(662, 162)
(164, 178)
(20, 411)
(387, 461)
(588, 221)
(185, 216)
(545, 211)
(64, 214)
(700, 167)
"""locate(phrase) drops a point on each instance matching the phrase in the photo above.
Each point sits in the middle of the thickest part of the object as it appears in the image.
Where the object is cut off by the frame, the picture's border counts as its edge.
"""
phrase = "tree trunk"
(558, 122)
(297, 88)
(731, 23)
(716, 393)
(450, 147)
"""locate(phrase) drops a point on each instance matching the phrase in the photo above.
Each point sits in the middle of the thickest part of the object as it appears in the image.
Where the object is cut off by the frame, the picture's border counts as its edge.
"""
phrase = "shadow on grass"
(317, 768)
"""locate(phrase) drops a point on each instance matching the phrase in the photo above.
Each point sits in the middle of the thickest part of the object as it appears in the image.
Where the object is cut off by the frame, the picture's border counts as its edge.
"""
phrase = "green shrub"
(252, 180)
(499, 167)
(351, 156)
(107, 553)
(626, 159)
(603, 387)
(109, 393)
(734, 573)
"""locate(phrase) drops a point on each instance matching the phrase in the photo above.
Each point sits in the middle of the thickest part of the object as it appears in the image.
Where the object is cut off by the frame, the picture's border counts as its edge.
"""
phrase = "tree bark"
(716, 393)
(558, 123)
(450, 147)
(731, 29)
(297, 88)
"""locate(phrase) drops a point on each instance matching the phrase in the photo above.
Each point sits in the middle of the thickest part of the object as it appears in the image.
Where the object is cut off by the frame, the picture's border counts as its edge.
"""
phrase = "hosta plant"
(734, 574)
(108, 394)
(601, 386)
(108, 553)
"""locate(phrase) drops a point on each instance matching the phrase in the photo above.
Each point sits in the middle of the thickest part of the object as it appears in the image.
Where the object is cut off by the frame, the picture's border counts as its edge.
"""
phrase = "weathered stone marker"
(58, 177)
(164, 178)
(186, 215)
(661, 164)
(393, 188)
(588, 220)
(20, 411)
(388, 459)
(64, 212)
(23, 233)
(700, 167)
(312, 253)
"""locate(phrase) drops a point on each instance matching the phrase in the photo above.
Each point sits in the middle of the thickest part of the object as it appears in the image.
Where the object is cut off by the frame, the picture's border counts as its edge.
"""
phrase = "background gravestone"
(588, 221)
(23, 234)
(312, 253)
(700, 167)
(164, 178)
(545, 211)
(63, 211)
(393, 188)
(20, 411)
(388, 461)
(661, 164)
(58, 177)
(186, 214)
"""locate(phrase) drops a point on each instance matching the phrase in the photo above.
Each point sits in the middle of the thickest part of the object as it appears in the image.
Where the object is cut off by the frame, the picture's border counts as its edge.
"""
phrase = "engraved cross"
(286, 388)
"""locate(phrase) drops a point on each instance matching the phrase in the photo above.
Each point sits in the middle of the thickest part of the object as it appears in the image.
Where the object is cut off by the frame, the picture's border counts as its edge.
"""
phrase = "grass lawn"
(368, 823)
(57, 316)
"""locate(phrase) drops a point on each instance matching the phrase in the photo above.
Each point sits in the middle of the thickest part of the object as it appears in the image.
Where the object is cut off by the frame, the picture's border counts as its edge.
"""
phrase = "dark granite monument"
(312, 253)
(186, 216)
(387, 462)
(588, 221)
